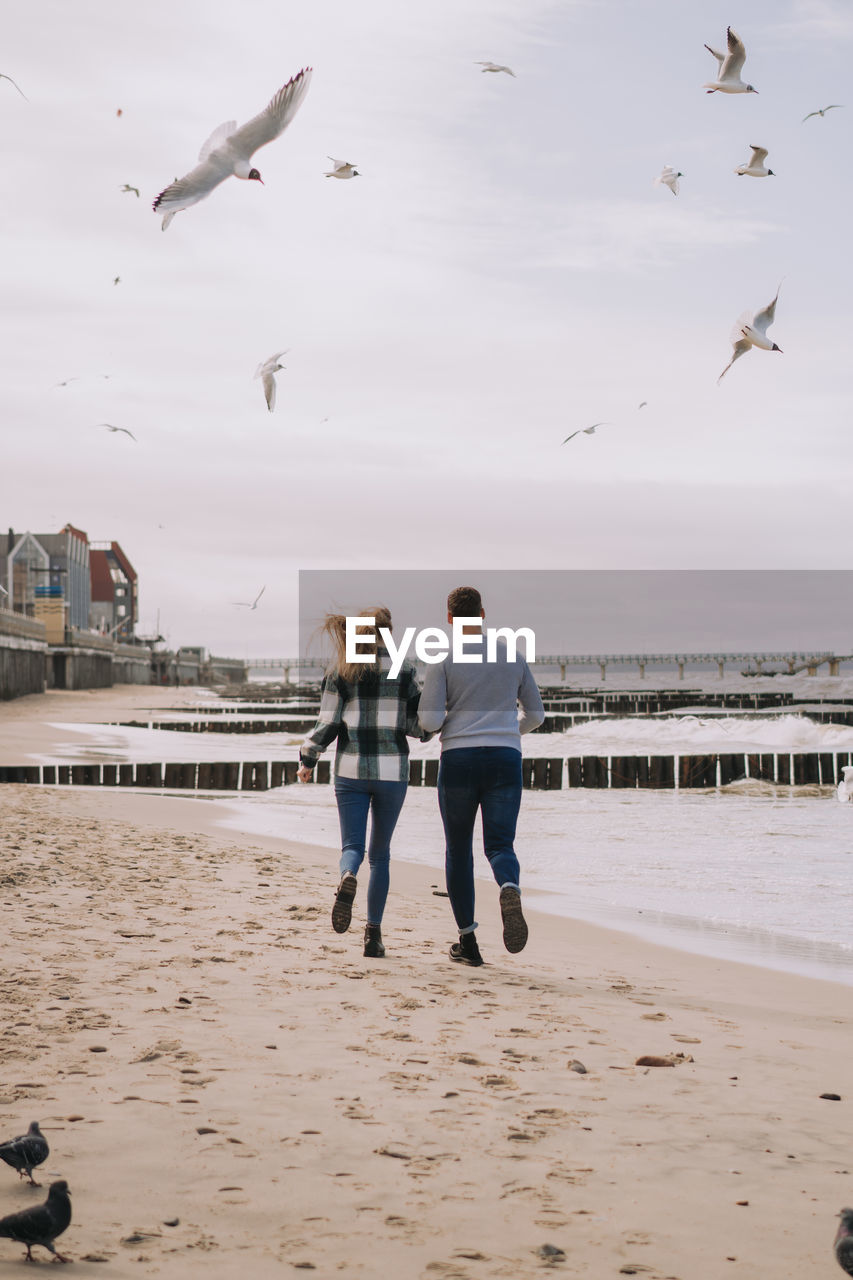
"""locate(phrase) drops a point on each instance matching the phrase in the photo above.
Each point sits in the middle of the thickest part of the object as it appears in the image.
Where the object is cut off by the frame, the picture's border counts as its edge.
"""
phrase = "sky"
(503, 272)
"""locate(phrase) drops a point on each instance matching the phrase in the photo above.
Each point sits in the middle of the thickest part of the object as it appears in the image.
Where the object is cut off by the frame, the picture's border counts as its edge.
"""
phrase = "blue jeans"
(356, 797)
(488, 779)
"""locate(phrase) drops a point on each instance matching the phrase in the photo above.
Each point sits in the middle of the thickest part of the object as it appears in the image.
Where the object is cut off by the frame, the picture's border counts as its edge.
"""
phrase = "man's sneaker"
(373, 945)
(515, 926)
(342, 910)
(466, 950)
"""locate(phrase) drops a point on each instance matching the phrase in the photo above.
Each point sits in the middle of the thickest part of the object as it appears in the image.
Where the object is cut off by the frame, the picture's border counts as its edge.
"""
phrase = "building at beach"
(114, 583)
(24, 565)
(68, 578)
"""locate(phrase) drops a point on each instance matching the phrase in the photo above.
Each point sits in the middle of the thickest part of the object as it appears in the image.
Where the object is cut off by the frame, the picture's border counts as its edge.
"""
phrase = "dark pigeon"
(42, 1223)
(844, 1241)
(26, 1152)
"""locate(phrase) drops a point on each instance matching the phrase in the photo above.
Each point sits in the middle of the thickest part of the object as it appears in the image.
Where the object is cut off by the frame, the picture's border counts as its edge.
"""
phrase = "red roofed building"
(115, 603)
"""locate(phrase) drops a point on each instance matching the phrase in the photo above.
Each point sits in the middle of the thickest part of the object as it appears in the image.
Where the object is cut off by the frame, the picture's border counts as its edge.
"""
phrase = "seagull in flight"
(495, 66)
(128, 187)
(245, 604)
(755, 166)
(228, 151)
(26, 99)
(587, 431)
(751, 331)
(833, 106)
(668, 177)
(124, 430)
(642, 404)
(266, 371)
(729, 68)
(342, 169)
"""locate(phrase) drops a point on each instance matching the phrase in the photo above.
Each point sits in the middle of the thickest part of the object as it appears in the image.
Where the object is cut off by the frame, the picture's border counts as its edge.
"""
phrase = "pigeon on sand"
(25, 1152)
(266, 372)
(751, 331)
(495, 66)
(844, 1241)
(342, 169)
(587, 431)
(228, 151)
(668, 177)
(42, 1223)
(755, 166)
(730, 66)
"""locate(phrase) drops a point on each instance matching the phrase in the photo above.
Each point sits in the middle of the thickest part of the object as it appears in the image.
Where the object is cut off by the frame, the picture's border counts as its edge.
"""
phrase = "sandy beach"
(225, 1083)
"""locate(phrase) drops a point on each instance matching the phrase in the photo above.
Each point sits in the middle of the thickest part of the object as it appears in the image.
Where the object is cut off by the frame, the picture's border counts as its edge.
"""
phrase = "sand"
(227, 1084)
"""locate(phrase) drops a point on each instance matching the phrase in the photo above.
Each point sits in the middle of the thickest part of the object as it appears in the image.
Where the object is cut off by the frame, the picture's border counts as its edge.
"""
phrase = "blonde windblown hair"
(334, 626)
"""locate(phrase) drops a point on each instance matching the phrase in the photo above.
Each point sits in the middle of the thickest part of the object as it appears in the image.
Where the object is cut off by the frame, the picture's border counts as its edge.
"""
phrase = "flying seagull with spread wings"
(495, 66)
(228, 151)
(755, 166)
(109, 426)
(751, 331)
(266, 371)
(253, 604)
(587, 431)
(342, 169)
(833, 106)
(730, 66)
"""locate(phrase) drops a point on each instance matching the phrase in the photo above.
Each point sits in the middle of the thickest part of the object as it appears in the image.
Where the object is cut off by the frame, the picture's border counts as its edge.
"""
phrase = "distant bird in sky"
(495, 66)
(668, 177)
(109, 426)
(26, 99)
(587, 431)
(127, 187)
(245, 604)
(751, 331)
(833, 106)
(119, 112)
(41, 1223)
(29, 1150)
(266, 371)
(642, 404)
(844, 790)
(342, 169)
(117, 280)
(755, 166)
(228, 151)
(76, 378)
(730, 66)
(844, 1241)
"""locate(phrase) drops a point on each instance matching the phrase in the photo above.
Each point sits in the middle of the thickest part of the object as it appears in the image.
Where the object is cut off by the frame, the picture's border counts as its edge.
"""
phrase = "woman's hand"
(304, 774)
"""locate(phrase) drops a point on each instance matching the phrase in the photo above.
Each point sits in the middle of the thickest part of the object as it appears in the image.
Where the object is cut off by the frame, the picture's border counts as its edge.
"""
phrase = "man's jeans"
(472, 778)
(383, 800)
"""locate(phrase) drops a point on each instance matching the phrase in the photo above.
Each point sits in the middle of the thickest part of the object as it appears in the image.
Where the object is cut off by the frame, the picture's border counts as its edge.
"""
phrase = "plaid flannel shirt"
(371, 719)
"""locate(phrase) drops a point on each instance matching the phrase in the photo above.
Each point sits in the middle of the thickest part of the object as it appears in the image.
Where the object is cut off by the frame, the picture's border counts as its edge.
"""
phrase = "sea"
(749, 871)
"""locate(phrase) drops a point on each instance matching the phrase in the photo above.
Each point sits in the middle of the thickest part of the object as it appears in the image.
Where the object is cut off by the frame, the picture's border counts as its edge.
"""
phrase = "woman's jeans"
(488, 779)
(356, 797)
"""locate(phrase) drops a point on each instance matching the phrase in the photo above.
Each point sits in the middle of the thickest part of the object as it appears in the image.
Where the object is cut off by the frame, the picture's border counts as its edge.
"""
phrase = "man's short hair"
(464, 602)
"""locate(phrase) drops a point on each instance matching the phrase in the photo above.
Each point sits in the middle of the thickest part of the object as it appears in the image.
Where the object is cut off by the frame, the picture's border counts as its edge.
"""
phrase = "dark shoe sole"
(456, 953)
(515, 925)
(344, 898)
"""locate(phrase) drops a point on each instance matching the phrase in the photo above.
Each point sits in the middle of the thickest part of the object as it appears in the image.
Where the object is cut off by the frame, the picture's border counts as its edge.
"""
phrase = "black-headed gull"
(26, 99)
(668, 177)
(253, 604)
(495, 66)
(833, 106)
(128, 187)
(730, 66)
(844, 790)
(266, 371)
(228, 151)
(755, 166)
(751, 331)
(123, 430)
(587, 431)
(342, 169)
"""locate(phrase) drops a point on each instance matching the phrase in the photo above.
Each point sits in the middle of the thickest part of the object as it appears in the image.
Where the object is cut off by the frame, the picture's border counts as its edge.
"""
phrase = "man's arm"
(433, 704)
(530, 700)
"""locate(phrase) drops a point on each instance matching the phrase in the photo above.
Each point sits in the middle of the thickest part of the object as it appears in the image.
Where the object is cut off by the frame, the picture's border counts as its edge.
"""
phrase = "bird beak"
(779, 349)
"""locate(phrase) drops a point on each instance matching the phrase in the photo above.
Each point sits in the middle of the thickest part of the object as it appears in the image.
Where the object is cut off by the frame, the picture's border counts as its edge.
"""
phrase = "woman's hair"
(334, 626)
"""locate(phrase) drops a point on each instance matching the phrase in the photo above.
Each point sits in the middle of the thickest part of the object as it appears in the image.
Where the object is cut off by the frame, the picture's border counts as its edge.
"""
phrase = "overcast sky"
(503, 272)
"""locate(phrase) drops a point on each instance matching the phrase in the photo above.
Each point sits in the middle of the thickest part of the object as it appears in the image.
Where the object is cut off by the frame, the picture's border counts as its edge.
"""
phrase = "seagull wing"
(741, 349)
(267, 366)
(743, 321)
(274, 119)
(337, 164)
(735, 58)
(763, 319)
(258, 596)
(216, 139)
(572, 436)
(24, 96)
(721, 57)
(194, 186)
(268, 380)
(759, 155)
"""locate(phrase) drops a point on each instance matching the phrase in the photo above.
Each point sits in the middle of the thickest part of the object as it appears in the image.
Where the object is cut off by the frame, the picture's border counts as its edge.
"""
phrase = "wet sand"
(199, 1046)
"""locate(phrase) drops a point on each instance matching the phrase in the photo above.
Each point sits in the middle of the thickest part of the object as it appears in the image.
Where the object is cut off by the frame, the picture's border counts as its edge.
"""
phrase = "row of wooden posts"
(541, 774)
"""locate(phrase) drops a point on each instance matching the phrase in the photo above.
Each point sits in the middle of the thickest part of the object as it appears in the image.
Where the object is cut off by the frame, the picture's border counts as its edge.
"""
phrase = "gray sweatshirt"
(477, 704)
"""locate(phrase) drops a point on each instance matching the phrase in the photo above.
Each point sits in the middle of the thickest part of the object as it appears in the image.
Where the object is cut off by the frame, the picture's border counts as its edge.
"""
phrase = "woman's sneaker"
(515, 926)
(466, 950)
(344, 898)
(373, 945)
